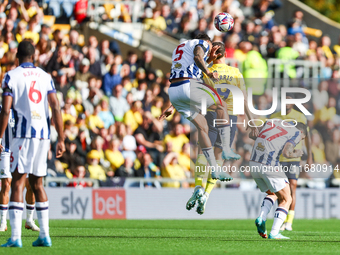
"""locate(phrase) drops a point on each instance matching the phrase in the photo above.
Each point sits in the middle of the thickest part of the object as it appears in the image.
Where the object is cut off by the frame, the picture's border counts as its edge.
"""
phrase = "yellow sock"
(290, 216)
(211, 182)
(201, 163)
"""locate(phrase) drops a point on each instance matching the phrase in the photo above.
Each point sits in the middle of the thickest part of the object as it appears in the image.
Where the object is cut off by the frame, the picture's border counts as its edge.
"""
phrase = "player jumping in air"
(293, 164)
(186, 94)
(28, 90)
(276, 138)
(231, 76)
(6, 179)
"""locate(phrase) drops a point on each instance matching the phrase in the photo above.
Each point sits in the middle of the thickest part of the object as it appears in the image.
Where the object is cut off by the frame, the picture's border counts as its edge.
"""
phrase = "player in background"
(186, 94)
(28, 90)
(231, 76)
(275, 139)
(6, 179)
(293, 164)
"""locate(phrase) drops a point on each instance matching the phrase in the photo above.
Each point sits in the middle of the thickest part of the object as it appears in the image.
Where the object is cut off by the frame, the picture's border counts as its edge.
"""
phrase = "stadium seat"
(67, 8)
(54, 6)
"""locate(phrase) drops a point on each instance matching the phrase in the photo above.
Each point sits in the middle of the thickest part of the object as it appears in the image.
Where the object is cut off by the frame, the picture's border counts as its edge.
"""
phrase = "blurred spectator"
(332, 150)
(96, 171)
(114, 156)
(157, 22)
(95, 67)
(118, 104)
(145, 61)
(171, 169)
(79, 172)
(111, 79)
(133, 117)
(177, 138)
(105, 115)
(126, 169)
(318, 148)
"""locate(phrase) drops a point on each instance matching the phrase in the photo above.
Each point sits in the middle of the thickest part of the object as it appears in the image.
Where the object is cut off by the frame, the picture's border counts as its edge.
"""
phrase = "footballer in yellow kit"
(292, 165)
(226, 75)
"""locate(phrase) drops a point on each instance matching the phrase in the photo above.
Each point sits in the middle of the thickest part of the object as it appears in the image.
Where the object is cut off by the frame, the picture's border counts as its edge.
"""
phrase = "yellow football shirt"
(176, 141)
(229, 75)
(294, 115)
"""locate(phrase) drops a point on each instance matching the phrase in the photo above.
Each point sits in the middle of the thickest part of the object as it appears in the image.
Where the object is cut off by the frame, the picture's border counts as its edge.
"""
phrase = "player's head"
(221, 50)
(303, 128)
(25, 51)
(203, 36)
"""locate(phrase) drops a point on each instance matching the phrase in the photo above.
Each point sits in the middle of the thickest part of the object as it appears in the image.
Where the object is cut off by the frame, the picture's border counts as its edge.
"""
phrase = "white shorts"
(30, 155)
(5, 172)
(187, 96)
(266, 180)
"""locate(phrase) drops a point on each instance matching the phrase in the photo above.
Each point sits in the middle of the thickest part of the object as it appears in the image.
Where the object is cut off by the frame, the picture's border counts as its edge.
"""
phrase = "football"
(224, 22)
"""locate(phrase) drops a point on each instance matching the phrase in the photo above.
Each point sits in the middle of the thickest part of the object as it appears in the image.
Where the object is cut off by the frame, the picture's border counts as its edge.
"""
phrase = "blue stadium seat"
(54, 6)
(67, 8)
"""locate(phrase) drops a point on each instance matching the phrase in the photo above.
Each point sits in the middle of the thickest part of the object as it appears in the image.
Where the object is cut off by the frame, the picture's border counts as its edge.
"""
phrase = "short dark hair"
(302, 127)
(25, 49)
(221, 50)
(203, 36)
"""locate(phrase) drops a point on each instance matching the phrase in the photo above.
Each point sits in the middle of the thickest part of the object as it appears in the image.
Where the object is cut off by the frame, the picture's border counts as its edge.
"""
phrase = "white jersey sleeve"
(29, 86)
(269, 144)
(183, 64)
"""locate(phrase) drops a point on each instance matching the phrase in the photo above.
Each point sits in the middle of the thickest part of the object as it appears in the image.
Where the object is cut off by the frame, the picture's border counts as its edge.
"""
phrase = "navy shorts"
(213, 131)
(292, 169)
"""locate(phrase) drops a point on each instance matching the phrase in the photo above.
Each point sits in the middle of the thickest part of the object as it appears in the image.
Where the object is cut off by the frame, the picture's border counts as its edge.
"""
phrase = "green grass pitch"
(179, 237)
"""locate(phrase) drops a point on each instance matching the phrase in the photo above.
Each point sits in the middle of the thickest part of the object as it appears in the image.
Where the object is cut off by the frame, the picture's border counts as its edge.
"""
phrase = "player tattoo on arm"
(199, 59)
(289, 152)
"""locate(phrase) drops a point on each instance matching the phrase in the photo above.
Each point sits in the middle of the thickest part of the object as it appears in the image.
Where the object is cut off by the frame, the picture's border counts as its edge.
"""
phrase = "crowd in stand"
(110, 104)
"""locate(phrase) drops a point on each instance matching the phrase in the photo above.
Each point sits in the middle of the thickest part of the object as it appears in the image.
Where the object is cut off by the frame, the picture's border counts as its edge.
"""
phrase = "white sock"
(29, 212)
(224, 132)
(210, 156)
(42, 213)
(265, 207)
(279, 217)
(15, 216)
(3, 213)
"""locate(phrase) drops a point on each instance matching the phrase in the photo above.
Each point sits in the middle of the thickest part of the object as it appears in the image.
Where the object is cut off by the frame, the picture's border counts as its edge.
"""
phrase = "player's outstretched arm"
(199, 60)
(289, 152)
(4, 114)
(167, 113)
(58, 121)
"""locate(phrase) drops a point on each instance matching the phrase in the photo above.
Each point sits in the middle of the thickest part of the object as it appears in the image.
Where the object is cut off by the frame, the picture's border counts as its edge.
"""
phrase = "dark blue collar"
(27, 65)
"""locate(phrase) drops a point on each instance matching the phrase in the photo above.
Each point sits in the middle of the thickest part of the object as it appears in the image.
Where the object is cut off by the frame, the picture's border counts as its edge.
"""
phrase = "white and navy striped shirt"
(183, 64)
(29, 87)
(8, 135)
(269, 144)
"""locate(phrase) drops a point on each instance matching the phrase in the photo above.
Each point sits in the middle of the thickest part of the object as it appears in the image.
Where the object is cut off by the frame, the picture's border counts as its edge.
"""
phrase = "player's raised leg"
(4, 199)
(200, 166)
(224, 131)
(30, 205)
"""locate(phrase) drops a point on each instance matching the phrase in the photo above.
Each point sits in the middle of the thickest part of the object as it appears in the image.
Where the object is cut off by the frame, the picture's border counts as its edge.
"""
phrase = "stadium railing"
(304, 70)
(244, 184)
(64, 180)
(135, 9)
